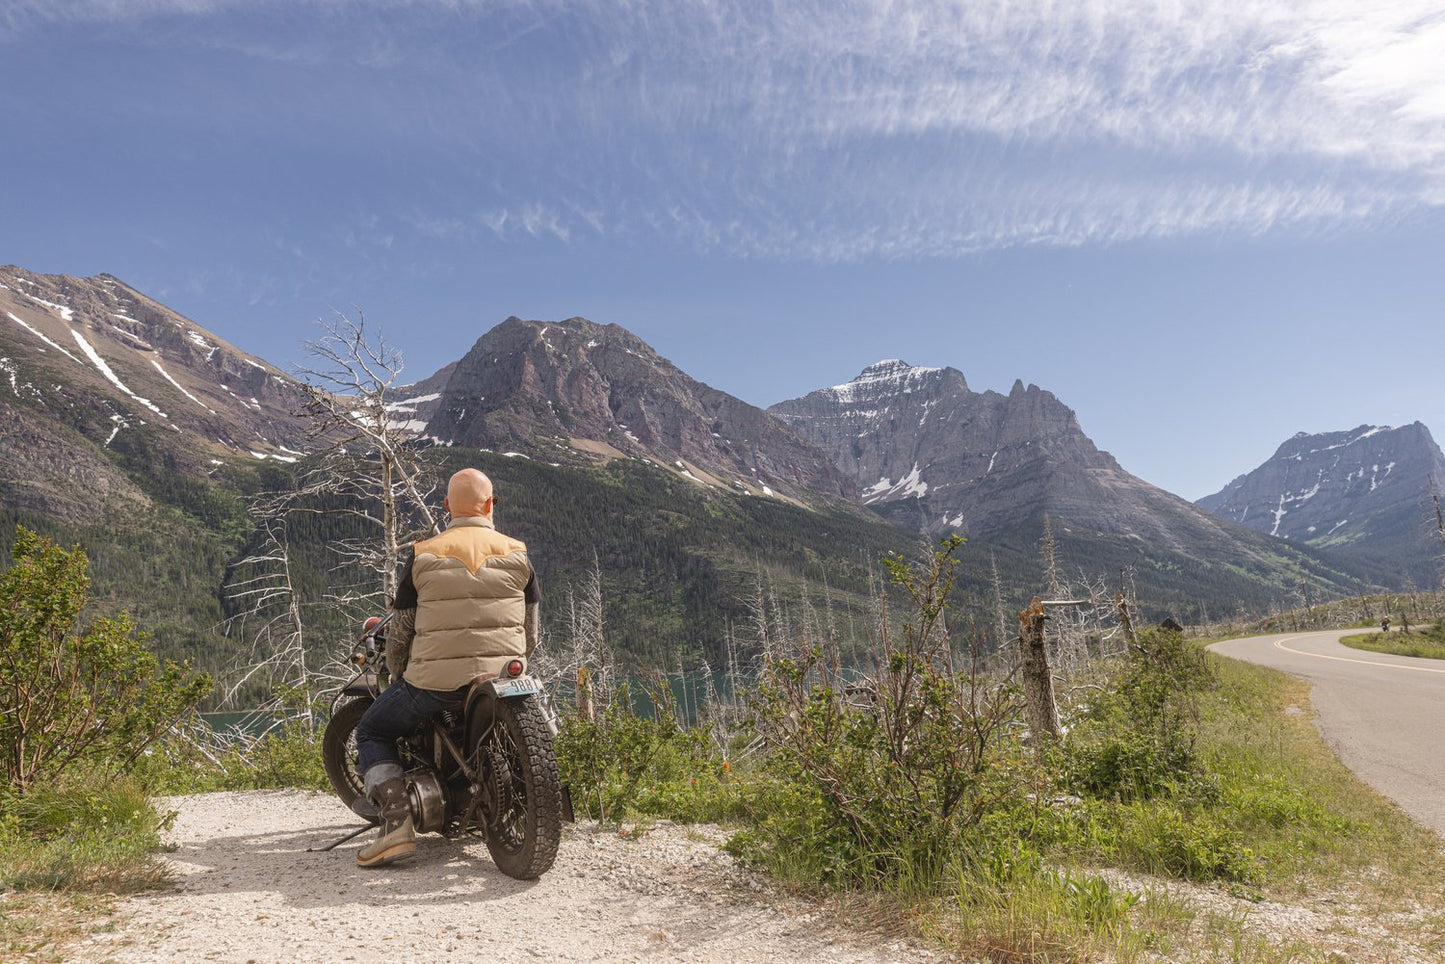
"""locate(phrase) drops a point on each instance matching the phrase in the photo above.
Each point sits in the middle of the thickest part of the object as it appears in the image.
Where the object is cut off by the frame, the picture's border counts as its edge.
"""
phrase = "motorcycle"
(488, 768)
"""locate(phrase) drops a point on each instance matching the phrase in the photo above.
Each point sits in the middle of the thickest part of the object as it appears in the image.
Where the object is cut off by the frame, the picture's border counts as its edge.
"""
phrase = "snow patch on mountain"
(1279, 513)
(890, 376)
(120, 422)
(1369, 430)
(41, 335)
(910, 486)
(66, 313)
(199, 341)
(156, 362)
(410, 404)
(105, 370)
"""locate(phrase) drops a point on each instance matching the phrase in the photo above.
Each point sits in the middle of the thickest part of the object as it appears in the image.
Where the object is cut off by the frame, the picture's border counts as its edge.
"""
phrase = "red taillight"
(515, 667)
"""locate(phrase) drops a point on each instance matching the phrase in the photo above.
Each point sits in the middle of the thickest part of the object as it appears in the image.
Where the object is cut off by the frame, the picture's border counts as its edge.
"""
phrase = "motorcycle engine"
(427, 799)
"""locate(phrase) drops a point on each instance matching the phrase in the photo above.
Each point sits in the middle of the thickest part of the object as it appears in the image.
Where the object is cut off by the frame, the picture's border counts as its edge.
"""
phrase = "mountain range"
(98, 373)
(1366, 493)
(574, 389)
(913, 445)
(137, 430)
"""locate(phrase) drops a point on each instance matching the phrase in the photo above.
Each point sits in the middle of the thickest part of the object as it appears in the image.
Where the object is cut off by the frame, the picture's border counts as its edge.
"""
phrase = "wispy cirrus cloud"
(530, 220)
(847, 129)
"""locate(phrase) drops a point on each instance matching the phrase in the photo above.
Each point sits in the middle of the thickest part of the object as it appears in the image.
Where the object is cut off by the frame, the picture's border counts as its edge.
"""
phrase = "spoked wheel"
(338, 753)
(521, 791)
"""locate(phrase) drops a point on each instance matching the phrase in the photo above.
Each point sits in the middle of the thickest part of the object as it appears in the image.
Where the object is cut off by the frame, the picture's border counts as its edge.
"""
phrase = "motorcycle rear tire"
(524, 835)
(338, 752)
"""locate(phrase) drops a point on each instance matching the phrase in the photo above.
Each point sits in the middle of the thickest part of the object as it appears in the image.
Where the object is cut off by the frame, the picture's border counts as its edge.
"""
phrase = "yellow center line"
(1280, 644)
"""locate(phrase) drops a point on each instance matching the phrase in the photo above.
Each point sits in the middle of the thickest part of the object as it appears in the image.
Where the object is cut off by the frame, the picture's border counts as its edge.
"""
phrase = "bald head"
(469, 493)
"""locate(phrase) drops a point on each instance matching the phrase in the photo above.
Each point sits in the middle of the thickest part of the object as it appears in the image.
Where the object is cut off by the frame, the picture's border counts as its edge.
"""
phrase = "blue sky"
(1204, 225)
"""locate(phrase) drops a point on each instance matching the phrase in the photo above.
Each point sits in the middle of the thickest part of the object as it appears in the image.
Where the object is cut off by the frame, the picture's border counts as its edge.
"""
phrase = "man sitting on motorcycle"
(466, 605)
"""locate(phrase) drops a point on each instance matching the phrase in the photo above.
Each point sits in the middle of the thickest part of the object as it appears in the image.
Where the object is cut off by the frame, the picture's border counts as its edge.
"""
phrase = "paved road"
(1383, 715)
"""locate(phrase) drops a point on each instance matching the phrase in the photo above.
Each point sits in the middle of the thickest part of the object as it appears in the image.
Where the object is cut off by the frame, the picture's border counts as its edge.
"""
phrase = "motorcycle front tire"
(338, 755)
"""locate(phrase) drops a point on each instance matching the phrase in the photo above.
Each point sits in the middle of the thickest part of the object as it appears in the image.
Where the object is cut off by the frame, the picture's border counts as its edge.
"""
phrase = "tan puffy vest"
(471, 615)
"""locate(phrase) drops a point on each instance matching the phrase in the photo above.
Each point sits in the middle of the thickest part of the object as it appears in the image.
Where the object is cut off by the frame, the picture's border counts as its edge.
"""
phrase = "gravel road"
(248, 891)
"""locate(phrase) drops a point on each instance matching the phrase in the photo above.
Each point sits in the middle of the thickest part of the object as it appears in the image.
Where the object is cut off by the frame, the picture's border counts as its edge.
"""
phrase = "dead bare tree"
(270, 619)
(762, 621)
(580, 653)
(364, 466)
(1126, 618)
(369, 449)
(1051, 561)
(1038, 681)
(1000, 617)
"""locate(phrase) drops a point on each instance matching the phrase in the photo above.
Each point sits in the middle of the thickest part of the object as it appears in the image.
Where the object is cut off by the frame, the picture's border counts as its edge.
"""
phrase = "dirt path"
(247, 890)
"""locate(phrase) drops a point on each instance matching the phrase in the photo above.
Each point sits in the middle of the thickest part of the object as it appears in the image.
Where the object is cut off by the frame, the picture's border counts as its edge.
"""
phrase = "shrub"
(1138, 742)
(1193, 845)
(886, 781)
(87, 700)
(625, 762)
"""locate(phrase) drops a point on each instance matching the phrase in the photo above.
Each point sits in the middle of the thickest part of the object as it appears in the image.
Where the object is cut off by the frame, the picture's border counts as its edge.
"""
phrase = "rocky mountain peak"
(919, 440)
(1302, 444)
(1365, 490)
(887, 378)
(578, 389)
(148, 363)
(93, 360)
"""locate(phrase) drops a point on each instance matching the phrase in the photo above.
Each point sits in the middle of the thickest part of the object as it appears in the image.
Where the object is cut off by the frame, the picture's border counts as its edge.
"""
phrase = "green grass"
(1309, 819)
(65, 853)
(1285, 821)
(1426, 645)
(81, 838)
(1278, 802)
(38, 927)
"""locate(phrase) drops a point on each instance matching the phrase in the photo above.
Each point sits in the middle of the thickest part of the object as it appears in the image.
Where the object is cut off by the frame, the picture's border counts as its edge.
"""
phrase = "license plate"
(524, 686)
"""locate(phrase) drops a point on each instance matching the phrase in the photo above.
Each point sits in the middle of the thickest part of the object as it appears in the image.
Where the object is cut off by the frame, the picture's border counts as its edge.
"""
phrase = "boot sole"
(391, 855)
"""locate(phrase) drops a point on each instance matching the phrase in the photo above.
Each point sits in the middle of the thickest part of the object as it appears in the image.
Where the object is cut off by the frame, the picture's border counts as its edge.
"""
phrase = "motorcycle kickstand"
(337, 843)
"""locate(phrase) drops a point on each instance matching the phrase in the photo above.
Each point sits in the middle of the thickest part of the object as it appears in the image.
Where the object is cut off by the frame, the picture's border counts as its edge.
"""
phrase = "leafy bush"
(1138, 741)
(196, 760)
(886, 781)
(1178, 842)
(287, 756)
(74, 700)
(625, 762)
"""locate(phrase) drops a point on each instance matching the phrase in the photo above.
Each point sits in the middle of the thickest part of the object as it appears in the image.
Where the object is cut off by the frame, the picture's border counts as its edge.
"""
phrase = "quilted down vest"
(471, 613)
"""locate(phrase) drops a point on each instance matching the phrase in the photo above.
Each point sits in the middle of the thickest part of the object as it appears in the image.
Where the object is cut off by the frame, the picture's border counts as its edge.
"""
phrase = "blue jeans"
(399, 711)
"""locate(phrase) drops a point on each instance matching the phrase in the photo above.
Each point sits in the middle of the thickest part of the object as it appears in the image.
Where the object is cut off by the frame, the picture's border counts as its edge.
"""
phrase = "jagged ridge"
(1365, 492)
(556, 389)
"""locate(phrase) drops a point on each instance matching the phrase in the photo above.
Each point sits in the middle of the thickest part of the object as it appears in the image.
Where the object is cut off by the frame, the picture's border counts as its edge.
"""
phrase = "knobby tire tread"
(533, 740)
(339, 768)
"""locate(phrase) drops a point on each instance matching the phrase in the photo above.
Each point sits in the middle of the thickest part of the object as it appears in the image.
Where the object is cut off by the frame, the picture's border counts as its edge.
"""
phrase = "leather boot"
(397, 838)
